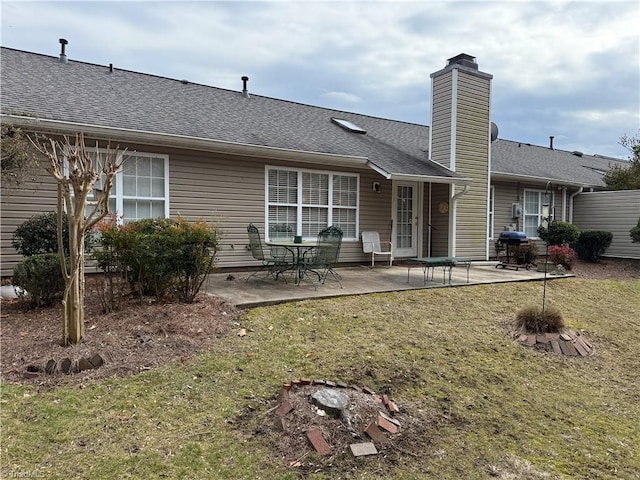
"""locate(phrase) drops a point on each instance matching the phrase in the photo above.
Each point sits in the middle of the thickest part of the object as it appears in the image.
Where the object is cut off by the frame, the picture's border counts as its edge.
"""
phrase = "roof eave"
(410, 177)
(557, 181)
(183, 141)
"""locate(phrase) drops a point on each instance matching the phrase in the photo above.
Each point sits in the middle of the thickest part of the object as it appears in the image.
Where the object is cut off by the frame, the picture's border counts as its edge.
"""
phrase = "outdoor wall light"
(376, 187)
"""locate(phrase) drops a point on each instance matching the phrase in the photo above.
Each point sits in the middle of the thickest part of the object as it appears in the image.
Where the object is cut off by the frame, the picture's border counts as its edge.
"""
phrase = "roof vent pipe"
(63, 56)
(551, 142)
(245, 92)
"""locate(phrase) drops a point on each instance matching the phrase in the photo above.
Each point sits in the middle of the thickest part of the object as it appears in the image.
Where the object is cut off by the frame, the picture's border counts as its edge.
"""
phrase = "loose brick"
(283, 396)
(580, 348)
(319, 382)
(284, 408)
(392, 407)
(329, 383)
(366, 389)
(362, 449)
(563, 347)
(305, 381)
(555, 345)
(376, 434)
(342, 385)
(319, 443)
(566, 337)
(385, 400)
(384, 423)
(357, 388)
(572, 350)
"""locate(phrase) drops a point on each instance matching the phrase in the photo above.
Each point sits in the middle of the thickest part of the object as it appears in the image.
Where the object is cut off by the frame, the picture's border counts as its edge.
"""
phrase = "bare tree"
(79, 175)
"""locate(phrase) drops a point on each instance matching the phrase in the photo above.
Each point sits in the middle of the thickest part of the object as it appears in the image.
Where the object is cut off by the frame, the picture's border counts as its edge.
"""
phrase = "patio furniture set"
(287, 254)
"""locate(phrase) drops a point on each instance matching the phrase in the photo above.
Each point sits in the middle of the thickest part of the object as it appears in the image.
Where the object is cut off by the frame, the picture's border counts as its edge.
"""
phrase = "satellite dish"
(494, 132)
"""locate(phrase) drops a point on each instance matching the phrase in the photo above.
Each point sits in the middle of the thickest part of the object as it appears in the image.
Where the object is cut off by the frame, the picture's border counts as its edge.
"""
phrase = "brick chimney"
(460, 138)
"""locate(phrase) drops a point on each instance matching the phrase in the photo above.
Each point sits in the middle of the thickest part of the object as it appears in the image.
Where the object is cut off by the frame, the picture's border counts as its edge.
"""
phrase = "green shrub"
(159, 256)
(592, 244)
(525, 253)
(562, 255)
(559, 233)
(531, 319)
(634, 233)
(40, 275)
(39, 234)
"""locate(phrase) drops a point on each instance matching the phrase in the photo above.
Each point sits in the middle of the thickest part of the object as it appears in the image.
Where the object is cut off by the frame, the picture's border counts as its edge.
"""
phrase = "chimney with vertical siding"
(460, 139)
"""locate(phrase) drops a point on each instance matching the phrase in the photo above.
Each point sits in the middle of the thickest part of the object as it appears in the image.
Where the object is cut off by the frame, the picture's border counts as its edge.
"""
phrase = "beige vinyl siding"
(472, 157)
(227, 190)
(615, 212)
(440, 222)
(19, 205)
(441, 119)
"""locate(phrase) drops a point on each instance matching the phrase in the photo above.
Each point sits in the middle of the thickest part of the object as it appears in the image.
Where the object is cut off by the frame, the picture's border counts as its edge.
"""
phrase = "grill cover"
(513, 236)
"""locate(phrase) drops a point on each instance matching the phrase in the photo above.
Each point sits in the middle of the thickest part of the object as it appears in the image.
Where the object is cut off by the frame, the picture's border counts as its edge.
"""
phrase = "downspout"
(452, 227)
(564, 204)
(573, 195)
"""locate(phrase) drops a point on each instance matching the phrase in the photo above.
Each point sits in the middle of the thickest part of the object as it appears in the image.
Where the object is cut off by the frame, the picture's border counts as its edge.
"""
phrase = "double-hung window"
(307, 201)
(140, 188)
(534, 200)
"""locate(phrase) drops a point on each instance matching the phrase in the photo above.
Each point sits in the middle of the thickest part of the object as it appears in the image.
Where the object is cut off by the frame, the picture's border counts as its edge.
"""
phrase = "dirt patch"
(608, 269)
(139, 337)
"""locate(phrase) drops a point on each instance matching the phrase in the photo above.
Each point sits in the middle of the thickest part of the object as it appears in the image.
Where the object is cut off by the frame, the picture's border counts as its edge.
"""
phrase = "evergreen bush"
(592, 244)
(634, 233)
(41, 279)
(159, 256)
(559, 233)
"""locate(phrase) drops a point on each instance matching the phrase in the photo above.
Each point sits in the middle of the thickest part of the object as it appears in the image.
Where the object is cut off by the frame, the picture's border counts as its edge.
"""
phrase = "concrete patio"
(356, 280)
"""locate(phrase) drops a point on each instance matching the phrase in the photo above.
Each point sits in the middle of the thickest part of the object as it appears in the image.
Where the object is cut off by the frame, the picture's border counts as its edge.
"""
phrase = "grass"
(485, 406)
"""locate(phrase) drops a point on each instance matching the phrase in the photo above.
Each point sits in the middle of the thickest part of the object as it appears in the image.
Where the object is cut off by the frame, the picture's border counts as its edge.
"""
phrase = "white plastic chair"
(371, 244)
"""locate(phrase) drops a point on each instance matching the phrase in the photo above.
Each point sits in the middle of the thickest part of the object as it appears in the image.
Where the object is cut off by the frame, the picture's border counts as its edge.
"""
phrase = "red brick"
(367, 390)
(286, 386)
(305, 381)
(376, 434)
(393, 408)
(386, 424)
(357, 388)
(319, 382)
(385, 400)
(319, 443)
(284, 408)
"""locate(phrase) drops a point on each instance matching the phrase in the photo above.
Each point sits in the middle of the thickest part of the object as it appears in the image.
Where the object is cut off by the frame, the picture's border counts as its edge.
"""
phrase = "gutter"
(571, 197)
(184, 141)
(452, 219)
(557, 181)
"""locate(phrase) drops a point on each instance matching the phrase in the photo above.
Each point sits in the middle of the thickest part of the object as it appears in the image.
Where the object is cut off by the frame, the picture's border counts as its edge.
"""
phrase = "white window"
(534, 200)
(492, 192)
(140, 188)
(307, 201)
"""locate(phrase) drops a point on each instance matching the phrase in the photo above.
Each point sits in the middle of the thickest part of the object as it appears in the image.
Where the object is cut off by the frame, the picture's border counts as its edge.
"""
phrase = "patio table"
(297, 250)
(430, 263)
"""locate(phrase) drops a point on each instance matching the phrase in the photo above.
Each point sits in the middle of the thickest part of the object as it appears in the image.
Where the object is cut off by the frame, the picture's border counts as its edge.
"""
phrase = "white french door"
(405, 208)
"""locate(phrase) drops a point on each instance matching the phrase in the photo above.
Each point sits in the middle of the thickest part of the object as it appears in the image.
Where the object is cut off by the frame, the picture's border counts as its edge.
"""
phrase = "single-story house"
(234, 157)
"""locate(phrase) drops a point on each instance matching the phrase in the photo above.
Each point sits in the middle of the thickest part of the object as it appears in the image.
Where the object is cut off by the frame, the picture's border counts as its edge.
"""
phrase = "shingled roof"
(82, 93)
(40, 86)
(515, 159)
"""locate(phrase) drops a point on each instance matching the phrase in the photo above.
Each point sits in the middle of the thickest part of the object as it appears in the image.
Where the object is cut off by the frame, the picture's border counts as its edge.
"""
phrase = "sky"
(567, 69)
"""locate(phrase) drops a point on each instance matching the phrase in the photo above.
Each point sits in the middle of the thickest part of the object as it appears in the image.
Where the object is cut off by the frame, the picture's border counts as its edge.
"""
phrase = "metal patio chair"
(323, 257)
(274, 262)
(371, 244)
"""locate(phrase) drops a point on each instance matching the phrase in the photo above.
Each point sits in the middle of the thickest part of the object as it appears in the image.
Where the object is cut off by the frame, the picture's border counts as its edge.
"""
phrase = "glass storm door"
(406, 219)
